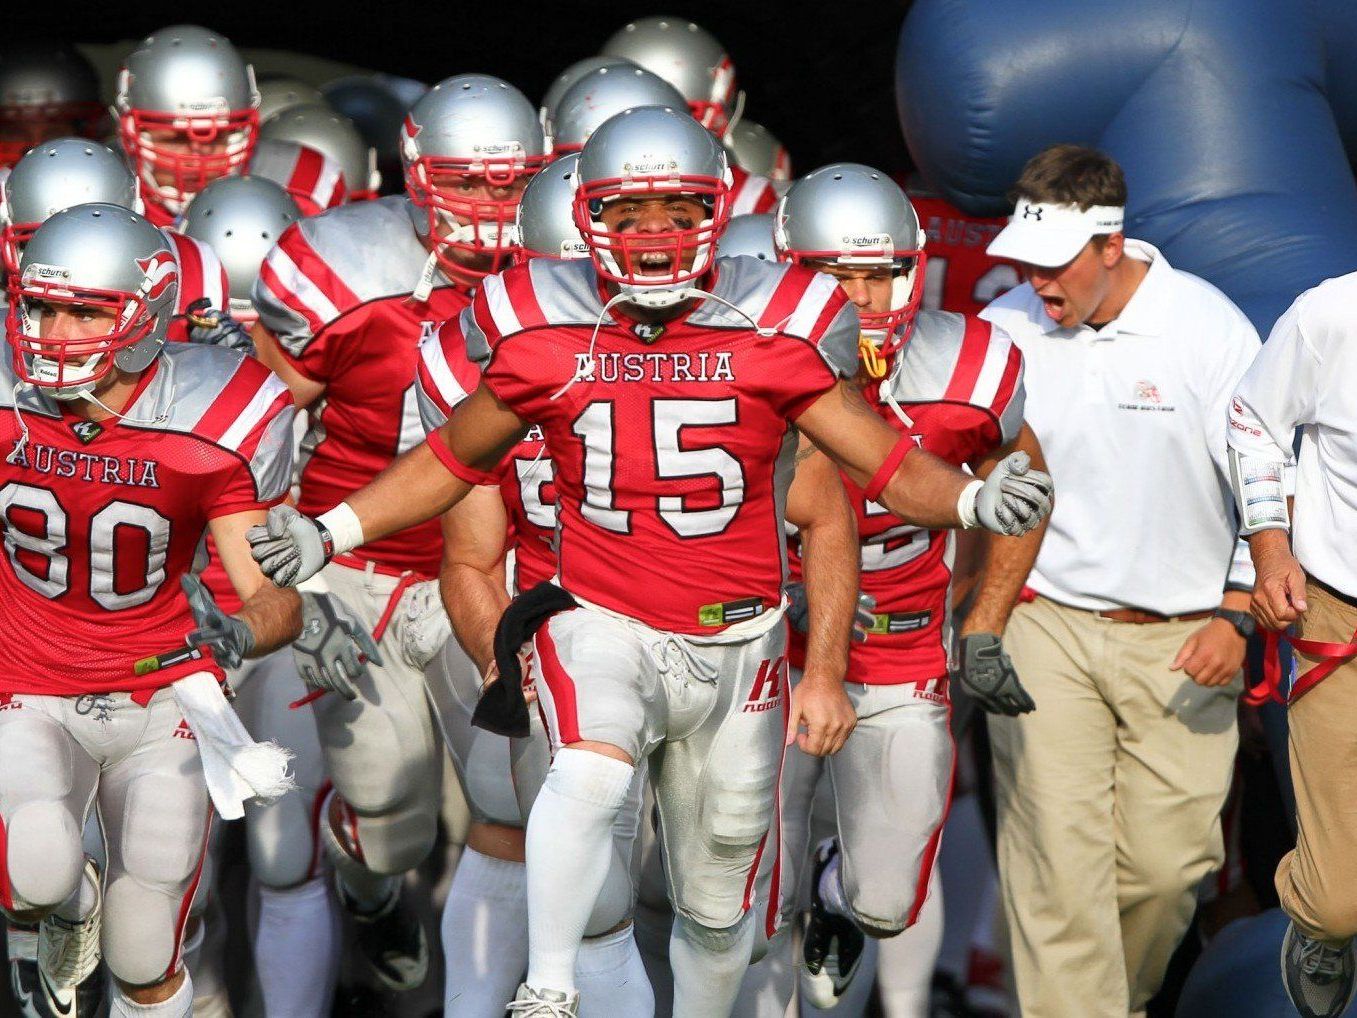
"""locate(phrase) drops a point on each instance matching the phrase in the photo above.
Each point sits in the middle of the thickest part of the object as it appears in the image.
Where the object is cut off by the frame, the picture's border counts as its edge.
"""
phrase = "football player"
(668, 412)
(47, 90)
(343, 300)
(317, 126)
(954, 385)
(123, 453)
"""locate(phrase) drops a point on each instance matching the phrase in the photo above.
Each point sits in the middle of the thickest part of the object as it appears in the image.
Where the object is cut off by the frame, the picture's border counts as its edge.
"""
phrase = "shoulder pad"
(369, 246)
(543, 292)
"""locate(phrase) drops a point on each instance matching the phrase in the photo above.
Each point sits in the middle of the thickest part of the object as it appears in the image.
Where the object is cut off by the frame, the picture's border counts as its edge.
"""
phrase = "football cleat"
(1320, 977)
(831, 945)
(392, 940)
(530, 1003)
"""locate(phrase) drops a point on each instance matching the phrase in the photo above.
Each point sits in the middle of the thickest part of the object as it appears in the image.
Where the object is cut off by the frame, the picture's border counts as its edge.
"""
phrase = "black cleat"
(831, 945)
(392, 940)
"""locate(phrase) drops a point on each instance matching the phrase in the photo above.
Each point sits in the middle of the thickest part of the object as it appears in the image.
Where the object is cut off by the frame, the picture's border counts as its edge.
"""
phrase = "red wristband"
(889, 466)
(456, 467)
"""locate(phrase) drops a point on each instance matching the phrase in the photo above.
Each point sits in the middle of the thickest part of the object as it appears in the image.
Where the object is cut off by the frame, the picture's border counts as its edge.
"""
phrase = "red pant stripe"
(931, 850)
(562, 688)
(187, 902)
(6, 891)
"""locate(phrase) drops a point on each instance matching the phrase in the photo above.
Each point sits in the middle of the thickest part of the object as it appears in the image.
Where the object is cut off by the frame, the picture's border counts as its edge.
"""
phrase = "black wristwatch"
(1244, 623)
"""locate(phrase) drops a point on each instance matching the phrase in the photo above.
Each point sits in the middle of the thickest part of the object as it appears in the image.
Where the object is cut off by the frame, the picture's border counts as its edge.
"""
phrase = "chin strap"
(22, 444)
(427, 276)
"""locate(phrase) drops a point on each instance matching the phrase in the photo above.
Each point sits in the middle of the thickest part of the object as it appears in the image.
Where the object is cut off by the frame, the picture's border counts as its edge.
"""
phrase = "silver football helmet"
(277, 94)
(852, 215)
(638, 154)
(372, 106)
(601, 94)
(241, 218)
(188, 112)
(54, 176)
(314, 180)
(754, 147)
(317, 126)
(473, 130)
(688, 57)
(47, 89)
(546, 217)
(568, 77)
(750, 234)
(100, 258)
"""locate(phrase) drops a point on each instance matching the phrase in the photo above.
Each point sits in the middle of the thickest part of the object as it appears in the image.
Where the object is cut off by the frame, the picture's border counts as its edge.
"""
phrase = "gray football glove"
(230, 639)
(290, 547)
(1014, 497)
(798, 612)
(214, 327)
(425, 626)
(334, 648)
(988, 676)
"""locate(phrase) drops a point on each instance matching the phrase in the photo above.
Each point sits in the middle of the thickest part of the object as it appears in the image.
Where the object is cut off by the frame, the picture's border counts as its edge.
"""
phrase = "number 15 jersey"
(672, 444)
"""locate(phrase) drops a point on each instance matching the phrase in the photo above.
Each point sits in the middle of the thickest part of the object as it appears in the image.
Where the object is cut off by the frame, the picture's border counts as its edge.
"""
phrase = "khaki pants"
(1317, 882)
(1109, 797)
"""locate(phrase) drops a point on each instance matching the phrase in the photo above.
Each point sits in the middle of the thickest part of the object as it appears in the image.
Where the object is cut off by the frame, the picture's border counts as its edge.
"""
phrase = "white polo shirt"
(1306, 377)
(1129, 417)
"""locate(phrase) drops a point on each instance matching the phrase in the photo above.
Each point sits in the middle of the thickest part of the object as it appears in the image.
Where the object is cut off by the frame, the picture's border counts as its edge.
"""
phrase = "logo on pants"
(767, 691)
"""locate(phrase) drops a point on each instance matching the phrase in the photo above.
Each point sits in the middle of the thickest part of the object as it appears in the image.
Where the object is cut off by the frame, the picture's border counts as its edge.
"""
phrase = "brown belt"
(1139, 617)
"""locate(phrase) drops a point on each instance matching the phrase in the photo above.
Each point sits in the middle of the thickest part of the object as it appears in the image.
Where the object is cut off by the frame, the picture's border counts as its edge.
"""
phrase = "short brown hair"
(1071, 175)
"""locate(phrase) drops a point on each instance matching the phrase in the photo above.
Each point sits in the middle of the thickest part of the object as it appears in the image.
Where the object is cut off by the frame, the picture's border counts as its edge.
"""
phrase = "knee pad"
(388, 845)
(44, 854)
(141, 930)
(281, 839)
(718, 941)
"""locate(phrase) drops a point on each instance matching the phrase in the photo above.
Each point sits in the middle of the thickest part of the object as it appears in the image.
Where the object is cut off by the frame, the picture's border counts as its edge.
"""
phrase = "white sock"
(180, 1004)
(831, 888)
(296, 949)
(767, 986)
(82, 900)
(612, 978)
(907, 961)
(484, 932)
(967, 869)
(569, 850)
(707, 979)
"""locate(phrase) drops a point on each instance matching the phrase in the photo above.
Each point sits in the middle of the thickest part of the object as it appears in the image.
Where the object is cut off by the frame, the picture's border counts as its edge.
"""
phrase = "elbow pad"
(1259, 493)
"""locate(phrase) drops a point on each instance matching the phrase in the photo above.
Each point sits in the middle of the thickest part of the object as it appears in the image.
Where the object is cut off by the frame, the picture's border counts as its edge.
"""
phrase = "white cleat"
(530, 1003)
(68, 959)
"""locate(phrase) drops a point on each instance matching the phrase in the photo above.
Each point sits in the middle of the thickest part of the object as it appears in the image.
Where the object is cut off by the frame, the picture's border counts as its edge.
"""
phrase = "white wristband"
(965, 505)
(346, 531)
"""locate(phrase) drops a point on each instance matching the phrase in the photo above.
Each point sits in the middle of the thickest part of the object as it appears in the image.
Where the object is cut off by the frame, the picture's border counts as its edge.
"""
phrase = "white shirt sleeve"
(1278, 393)
(1241, 350)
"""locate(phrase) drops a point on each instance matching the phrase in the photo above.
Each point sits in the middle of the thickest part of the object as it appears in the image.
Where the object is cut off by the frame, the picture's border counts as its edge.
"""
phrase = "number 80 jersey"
(101, 520)
(672, 444)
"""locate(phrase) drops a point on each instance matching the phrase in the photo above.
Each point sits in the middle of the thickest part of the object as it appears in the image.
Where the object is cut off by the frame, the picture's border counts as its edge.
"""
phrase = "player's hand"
(798, 612)
(214, 327)
(1279, 590)
(822, 716)
(334, 648)
(425, 627)
(289, 547)
(988, 676)
(230, 639)
(1213, 655)
(1014, 498)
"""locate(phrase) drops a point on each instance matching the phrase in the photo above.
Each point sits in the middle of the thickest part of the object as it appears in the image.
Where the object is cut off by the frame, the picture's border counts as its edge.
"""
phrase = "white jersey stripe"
(746, 198)
(811, 306)
(324, 191)
(302, 289)
(501, 307)
(450, 390)
(212, 273)
(992, 371)
(253, 413)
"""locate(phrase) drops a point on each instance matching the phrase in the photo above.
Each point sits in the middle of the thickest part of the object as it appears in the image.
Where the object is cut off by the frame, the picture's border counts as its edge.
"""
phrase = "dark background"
(819, 75)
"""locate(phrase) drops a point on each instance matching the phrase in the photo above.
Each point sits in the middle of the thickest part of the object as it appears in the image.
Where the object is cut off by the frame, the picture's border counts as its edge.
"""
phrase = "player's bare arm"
(922, 489)
(472, 578)
(305, 391)
(274, 614)
(822, 717)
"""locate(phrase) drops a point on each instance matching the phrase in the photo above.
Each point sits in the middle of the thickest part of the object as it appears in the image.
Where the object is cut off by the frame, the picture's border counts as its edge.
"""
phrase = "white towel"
(237, 768)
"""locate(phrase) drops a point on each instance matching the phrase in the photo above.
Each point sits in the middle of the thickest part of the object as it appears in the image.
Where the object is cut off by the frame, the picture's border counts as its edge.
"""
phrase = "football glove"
(334, 648)
(213, 327)
(988, 676)
(230, 639)
(1014, 498)
(425, 627)
(289, 547)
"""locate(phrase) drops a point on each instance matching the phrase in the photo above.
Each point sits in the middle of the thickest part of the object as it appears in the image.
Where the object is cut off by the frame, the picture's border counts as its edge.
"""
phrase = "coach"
(1109, 793)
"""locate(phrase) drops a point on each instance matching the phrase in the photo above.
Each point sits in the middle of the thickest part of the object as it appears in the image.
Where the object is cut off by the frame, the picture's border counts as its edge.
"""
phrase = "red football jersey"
(102, 520)
(313, 179)
(959, 275)
(959, 381)
(750, 193)
(673, 446)
(201, 274)
(526, 482)
(337, 292)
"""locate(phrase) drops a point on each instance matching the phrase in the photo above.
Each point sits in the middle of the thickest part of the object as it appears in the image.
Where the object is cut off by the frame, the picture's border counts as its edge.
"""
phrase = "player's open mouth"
(655, 263)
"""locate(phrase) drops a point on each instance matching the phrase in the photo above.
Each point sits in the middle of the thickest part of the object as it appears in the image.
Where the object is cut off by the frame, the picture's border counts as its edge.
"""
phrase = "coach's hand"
(822, 716)
(289, 547)
(230, 638)
(1014, 498)
(1279, 590)
(988, 676)
(333, 649)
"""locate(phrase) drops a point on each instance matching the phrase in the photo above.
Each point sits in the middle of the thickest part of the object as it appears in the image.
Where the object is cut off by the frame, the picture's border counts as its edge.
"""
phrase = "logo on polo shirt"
(1032, 212)
(1145, 395)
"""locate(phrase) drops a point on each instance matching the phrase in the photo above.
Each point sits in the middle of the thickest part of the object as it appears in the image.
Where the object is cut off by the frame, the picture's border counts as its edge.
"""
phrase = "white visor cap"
(1049, 235)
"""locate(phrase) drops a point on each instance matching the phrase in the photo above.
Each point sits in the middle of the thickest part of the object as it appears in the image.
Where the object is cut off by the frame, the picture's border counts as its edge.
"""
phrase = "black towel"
(502, 708)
